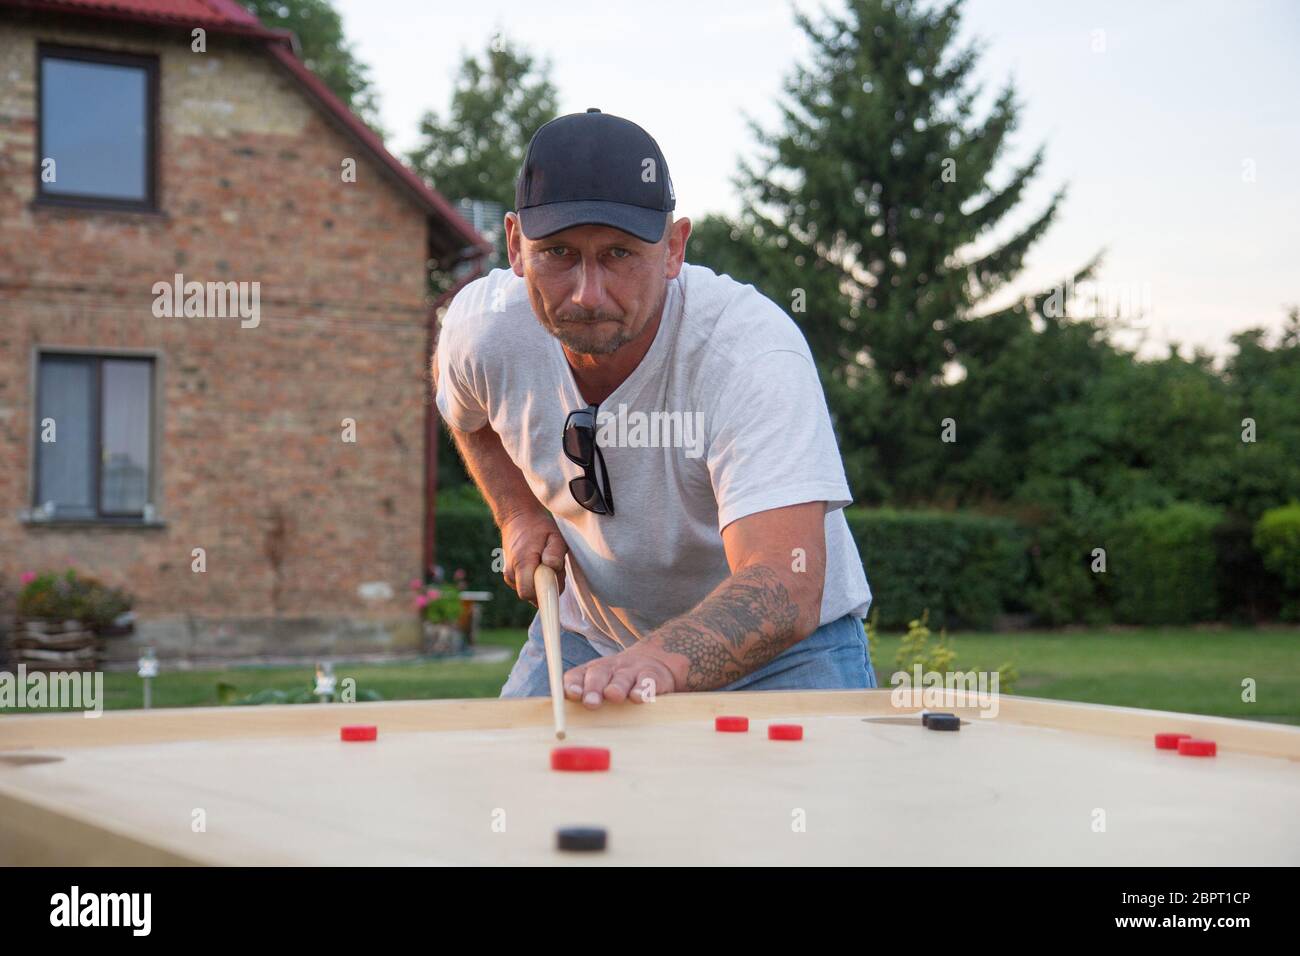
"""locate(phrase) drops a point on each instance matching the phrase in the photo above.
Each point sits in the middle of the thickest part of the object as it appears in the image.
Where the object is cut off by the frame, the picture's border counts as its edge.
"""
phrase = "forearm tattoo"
(737, 629)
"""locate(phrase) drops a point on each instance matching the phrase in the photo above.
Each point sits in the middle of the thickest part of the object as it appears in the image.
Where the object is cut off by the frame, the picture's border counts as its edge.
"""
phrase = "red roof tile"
(202, 12)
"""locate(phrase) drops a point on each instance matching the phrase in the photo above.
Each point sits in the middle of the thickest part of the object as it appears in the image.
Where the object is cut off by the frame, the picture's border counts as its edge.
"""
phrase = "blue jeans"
(833, 657)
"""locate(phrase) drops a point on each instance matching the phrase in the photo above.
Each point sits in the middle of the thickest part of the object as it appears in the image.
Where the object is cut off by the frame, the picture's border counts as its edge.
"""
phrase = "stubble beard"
(582, 335)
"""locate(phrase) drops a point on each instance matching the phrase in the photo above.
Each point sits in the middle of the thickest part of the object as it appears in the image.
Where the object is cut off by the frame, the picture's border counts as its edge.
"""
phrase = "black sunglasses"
(580, 447)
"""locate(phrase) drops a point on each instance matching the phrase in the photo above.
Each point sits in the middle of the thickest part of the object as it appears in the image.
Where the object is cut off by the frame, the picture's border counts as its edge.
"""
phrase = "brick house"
(214, 331)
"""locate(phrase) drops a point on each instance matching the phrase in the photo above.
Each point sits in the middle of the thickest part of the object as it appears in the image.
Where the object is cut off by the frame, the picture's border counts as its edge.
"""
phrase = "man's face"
(596, 288)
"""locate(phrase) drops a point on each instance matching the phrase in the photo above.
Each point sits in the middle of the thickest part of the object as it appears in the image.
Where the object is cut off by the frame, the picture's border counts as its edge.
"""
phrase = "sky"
(1174, 126)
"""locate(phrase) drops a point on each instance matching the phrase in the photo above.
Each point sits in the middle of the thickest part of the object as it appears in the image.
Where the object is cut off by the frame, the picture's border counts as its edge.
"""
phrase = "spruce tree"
(871, 217)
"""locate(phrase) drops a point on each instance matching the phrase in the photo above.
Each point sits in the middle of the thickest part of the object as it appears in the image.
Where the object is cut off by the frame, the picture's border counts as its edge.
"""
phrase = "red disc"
(1191, 747)
(731, 725)
(359, 733)
(1169, 741)
(784, 732)
(579, 758)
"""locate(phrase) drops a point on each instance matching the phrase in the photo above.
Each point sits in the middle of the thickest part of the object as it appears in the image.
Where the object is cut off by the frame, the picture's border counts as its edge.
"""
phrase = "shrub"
(914, 651)
(1063, 589)
(966, 568)
(1248, 591)
(468, 538)
(1277, 539)
(1161, 564)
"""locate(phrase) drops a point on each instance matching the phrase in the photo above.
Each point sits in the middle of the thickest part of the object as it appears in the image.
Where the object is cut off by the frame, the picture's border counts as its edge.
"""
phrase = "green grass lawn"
(1184, 669)
(1192, 670)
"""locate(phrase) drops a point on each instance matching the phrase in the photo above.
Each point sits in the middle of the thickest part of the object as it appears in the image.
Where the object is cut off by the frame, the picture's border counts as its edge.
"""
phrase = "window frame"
(97, 356)
(147, 62)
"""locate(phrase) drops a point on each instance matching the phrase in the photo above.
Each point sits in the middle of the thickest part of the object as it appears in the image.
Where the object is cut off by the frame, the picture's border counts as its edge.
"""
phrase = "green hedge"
(1063, 588)
(467, 538)
(1277, 539)
(1248, 591)
(1161, 564)
(1173, 565)
(965, 568)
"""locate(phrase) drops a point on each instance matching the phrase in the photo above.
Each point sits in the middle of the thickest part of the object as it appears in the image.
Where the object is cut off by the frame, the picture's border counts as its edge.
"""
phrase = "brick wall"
(250, 190)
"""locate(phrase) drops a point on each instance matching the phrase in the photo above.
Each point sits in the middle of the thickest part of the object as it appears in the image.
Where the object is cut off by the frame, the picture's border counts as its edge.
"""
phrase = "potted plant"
(60, 618)
(439, 607)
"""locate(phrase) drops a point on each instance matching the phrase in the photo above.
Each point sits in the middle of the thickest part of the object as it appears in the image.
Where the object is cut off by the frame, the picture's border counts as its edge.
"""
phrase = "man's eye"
(620, 253)
(560, 250)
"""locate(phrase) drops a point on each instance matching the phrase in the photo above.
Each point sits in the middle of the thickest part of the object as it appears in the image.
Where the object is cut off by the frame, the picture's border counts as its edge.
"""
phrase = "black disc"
(943, 722)
(580, 838)
(925, 717)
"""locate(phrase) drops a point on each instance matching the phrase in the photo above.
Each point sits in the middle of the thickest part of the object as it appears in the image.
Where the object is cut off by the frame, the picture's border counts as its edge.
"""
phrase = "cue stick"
(548, 602)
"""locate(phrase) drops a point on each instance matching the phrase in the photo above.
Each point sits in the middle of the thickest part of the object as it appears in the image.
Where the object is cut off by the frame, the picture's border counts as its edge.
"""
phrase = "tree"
(1265, 384)
(497, 105)
(872, 218)
(499, 102)
(325, 51)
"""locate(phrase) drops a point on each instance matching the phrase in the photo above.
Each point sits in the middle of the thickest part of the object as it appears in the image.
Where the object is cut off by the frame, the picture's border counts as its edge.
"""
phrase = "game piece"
(927, 714)
(943, 722)
(359, 732)
(1192, 747)
(581, 839)
(731, 725)
(579, 758)
(1170, 741)
(784, 732)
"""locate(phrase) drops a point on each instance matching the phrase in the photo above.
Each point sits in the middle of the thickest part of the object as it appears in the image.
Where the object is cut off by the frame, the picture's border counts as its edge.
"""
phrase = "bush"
(965, 568)
(914, 649)
(1161, 564)
(1064, 589)
(1277, 539)
(70, 596)
(1248, 592)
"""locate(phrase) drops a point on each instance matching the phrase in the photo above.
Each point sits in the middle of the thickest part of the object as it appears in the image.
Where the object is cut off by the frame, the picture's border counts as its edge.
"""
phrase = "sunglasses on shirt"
(580, 448)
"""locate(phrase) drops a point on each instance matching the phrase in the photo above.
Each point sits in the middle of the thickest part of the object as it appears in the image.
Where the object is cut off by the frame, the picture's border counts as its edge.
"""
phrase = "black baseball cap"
(594, 169)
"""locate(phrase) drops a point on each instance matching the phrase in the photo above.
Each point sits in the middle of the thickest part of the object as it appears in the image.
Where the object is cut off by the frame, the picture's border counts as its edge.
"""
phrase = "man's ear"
(678, 233)
(515, 243)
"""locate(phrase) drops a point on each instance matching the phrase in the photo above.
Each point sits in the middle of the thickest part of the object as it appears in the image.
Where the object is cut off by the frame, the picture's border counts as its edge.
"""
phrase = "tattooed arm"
(771, 602)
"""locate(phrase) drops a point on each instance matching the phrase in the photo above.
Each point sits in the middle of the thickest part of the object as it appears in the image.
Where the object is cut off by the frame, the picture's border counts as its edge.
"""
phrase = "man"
(659, 426)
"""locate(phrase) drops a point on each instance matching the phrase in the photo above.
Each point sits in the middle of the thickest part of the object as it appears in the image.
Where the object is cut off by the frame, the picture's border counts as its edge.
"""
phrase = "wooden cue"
(548, 602)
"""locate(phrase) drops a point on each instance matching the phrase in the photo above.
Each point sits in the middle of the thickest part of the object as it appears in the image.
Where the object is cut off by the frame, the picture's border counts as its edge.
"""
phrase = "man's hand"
(529, 535)
(530, 539)
(637, 674)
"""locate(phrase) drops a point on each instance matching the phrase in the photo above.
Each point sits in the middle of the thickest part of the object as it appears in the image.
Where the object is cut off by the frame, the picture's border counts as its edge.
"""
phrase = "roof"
(449, 233)
(187, 11)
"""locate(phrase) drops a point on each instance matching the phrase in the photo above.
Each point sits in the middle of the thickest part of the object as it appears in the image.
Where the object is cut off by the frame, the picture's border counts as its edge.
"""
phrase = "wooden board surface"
(468, 782)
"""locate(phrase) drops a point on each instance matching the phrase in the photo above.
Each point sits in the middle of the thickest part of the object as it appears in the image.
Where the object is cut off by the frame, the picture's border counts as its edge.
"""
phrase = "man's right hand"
(528, 540)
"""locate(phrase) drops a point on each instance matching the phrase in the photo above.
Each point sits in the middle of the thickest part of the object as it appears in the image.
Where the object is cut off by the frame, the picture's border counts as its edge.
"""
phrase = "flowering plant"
(437, 603)
(70, 596)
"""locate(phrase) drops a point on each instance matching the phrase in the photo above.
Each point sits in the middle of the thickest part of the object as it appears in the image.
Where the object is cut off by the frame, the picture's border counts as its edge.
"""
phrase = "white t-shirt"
(746, 430)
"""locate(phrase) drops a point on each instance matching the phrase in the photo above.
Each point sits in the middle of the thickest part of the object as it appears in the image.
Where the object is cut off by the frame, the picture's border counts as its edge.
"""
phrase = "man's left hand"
(636, 674)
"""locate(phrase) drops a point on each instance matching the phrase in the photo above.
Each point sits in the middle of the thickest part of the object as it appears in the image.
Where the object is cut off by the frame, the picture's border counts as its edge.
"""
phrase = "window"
(96, 128)
(94, 437)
